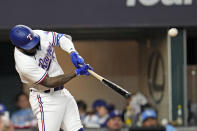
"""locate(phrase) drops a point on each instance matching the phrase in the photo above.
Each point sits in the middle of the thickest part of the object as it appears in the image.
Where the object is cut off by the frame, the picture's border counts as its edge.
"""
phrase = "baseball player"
(38, 68)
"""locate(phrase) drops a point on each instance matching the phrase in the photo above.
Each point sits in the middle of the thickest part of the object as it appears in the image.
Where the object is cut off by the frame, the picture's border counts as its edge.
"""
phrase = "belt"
(55, 89)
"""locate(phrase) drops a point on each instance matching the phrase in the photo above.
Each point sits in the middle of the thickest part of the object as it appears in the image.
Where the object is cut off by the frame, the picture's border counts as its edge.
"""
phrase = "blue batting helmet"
(24, 37)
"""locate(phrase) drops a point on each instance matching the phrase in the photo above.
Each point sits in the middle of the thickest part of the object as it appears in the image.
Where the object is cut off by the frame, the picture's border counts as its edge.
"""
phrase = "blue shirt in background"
(23, 118)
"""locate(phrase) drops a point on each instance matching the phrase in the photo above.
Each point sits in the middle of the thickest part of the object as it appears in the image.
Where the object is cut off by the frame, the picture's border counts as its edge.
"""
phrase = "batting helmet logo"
(29, 37)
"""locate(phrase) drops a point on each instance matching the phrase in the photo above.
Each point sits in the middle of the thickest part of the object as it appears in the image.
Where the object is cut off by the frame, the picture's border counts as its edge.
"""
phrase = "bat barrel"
(116, 88)
(111, 85)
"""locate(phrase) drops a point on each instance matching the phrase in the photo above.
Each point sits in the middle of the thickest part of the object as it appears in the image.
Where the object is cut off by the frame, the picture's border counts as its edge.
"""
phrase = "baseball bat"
(110, 84)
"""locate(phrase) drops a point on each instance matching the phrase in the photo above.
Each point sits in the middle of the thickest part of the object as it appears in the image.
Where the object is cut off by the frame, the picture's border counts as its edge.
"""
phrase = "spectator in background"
(97, 119)
(114, 121)
(149, 119)
(5, 123)
(24, 117)
(82, 106)
(111, 107)
(135, 105)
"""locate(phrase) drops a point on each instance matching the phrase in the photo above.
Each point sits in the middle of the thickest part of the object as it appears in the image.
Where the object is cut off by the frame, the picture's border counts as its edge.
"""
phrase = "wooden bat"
(110, 84)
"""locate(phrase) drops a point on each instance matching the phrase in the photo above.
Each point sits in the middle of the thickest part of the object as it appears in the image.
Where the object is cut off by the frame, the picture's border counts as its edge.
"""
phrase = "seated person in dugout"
(97, 119)
(149, 119)
(24, 117)
(114, 121)
(5, 123)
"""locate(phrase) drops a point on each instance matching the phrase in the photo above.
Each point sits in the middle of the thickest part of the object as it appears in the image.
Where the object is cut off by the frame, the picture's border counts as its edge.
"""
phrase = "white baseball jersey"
(33, 69)
(53, 109)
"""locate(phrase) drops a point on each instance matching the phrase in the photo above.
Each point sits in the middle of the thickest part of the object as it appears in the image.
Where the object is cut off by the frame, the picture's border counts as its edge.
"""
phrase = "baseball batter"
(38, 68)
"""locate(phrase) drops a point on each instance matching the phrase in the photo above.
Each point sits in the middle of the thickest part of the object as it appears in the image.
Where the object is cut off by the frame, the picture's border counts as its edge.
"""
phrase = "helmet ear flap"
(24, 37)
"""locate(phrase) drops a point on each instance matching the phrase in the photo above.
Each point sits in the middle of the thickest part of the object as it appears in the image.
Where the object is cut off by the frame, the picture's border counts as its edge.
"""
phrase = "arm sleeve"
(62, 40)
(66, 44)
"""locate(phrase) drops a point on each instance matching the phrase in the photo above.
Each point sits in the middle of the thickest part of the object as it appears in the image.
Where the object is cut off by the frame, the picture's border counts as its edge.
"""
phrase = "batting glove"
(83, 70)
(76, 59)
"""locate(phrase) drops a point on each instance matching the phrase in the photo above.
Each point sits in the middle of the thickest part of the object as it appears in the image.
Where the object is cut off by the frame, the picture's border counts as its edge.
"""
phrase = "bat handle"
(95, 75)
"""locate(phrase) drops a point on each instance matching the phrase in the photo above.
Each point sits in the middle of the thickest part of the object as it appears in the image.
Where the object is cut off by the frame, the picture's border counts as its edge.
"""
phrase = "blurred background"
(127, 42)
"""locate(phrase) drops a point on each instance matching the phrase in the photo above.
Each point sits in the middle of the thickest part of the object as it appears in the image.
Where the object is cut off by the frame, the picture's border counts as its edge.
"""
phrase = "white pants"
(55, 110)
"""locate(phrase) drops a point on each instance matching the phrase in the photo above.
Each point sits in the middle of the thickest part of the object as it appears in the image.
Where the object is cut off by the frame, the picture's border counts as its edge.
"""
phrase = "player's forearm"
(52, 82)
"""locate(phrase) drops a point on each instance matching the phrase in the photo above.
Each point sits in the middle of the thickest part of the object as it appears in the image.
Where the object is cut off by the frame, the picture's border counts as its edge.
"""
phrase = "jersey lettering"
(45, 62)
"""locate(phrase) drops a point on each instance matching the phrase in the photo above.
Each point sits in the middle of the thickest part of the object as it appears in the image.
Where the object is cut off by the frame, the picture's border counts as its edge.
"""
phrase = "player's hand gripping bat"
(110, 84)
